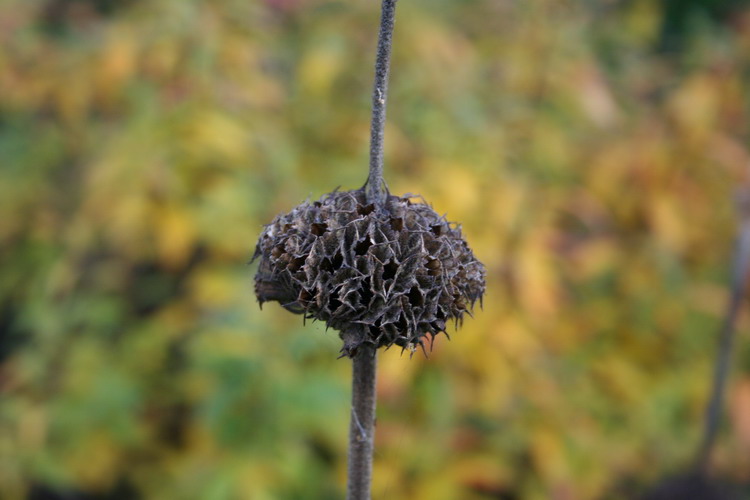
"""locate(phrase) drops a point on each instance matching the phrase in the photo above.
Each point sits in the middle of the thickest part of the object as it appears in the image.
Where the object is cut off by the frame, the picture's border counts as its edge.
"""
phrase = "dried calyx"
(384, 275)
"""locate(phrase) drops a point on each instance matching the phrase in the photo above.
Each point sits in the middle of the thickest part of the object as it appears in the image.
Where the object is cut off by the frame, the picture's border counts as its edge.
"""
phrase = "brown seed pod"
(380, 275)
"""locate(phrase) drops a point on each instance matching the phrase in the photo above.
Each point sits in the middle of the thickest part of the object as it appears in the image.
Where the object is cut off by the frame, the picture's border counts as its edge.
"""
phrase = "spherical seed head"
(393, 274)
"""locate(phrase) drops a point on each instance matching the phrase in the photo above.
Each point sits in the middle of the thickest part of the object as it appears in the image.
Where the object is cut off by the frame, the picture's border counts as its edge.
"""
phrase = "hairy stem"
(726, 335)
(375, 190)
(362, 426)
(364, 363)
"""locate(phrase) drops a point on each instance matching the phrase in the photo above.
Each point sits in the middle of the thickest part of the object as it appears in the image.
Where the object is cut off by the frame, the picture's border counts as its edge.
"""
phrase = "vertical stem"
(362, 426)
(726, 335)
(379, 100)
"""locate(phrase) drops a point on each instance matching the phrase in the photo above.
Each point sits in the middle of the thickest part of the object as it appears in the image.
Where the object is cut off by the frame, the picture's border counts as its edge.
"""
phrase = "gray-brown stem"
(375, 182)
(362, 426)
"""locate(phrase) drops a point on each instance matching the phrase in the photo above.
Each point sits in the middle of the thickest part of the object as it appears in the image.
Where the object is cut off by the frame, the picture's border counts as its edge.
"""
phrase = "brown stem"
(379, 100)
(362, 426)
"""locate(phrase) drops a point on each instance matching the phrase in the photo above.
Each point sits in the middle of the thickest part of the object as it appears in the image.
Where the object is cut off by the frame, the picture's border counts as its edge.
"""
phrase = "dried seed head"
(381, 275)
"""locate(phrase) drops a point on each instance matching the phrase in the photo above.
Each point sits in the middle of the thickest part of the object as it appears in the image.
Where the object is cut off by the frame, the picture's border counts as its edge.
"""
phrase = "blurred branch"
(726, 334)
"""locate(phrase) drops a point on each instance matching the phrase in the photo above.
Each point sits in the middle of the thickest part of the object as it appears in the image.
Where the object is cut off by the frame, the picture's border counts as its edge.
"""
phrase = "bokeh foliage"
(591, 151)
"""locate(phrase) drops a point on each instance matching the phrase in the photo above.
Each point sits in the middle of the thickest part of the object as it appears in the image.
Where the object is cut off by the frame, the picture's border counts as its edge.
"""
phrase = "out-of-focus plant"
(696, 482)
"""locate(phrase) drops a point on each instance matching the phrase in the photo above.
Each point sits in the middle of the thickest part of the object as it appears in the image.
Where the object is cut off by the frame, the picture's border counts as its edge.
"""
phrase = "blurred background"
(591, 150)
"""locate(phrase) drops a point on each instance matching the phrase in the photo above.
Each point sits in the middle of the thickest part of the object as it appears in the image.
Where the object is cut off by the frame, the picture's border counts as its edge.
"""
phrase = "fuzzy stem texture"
(375, 191)
(726, 335)
(362, 426)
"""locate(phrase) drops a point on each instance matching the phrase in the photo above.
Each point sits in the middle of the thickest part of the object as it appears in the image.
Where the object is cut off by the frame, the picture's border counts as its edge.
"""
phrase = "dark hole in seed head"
(296, 263)
(415, 297)
(318, 228)
(365, 209)
(362, 247)
(365, 293)
(397, 223)
(374, 331)
(389, 270)
(338, 259)
(401, 324)
(333, 301)
(326, 265)
(437, 229)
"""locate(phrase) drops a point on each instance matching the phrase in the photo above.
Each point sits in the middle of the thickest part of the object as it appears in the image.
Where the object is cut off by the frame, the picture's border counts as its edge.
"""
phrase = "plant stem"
(362, 426)
(379, 100)
(726, 335)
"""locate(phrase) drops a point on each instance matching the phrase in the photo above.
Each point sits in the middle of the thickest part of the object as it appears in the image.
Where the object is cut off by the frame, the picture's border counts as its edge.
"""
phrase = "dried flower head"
(384, 275)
